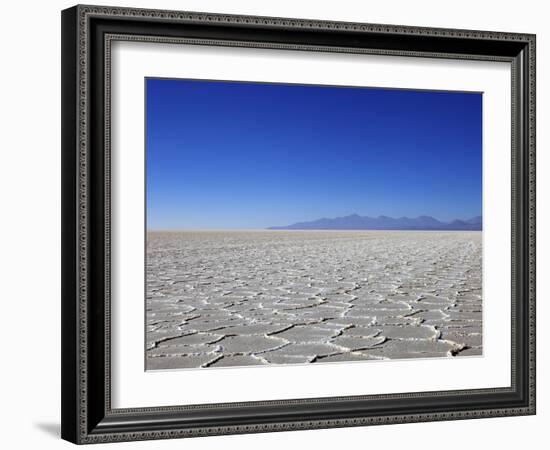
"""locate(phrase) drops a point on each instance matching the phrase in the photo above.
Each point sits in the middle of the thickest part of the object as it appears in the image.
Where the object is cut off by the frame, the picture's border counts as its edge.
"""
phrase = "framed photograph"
(277, 224)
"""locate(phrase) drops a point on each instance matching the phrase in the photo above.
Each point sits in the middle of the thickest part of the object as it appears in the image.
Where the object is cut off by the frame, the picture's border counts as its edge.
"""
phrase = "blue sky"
(251, 155)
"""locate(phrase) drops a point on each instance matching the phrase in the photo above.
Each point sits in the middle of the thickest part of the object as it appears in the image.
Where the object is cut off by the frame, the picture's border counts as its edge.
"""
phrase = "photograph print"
(310, 224)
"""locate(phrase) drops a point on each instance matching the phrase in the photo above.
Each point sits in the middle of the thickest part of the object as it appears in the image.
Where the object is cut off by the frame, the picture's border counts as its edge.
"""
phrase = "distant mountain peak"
(357, 222)
(476, 219)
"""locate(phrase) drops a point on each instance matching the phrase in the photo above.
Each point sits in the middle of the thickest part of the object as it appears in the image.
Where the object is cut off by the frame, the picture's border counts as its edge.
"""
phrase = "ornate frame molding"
(86, 215)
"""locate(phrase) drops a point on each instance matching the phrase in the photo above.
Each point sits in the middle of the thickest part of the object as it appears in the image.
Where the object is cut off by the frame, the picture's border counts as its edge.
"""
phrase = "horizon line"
(175, 230)
(270, 227)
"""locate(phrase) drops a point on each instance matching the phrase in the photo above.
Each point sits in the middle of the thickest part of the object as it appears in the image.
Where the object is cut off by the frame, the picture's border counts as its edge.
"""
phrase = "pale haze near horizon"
(252, 155)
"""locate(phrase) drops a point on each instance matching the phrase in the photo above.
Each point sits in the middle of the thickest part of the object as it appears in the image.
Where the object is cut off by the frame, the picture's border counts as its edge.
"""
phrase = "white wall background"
(30, 224)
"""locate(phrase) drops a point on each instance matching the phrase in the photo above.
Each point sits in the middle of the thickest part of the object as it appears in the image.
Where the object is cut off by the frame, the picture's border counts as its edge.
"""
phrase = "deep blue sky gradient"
(252, 155)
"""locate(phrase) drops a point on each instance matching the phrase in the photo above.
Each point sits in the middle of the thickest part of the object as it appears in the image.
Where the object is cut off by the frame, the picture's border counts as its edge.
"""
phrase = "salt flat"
(237, 298)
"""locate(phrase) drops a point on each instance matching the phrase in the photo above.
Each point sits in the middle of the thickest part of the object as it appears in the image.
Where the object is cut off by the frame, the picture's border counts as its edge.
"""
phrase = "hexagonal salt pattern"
(219, 299)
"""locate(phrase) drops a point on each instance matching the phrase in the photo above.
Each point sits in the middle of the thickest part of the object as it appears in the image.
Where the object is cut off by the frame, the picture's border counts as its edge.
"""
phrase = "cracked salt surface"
(235, 298)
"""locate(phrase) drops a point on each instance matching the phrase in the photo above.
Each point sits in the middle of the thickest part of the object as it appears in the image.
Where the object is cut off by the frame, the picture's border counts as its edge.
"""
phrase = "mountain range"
(357, 222)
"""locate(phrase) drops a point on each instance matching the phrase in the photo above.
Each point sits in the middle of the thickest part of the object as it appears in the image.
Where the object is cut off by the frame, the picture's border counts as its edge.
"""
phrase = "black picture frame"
(87, 415)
